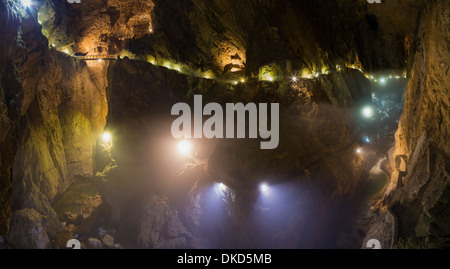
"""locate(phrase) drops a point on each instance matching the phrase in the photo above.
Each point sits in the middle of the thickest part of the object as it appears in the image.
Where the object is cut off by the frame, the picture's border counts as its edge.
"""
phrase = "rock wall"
(56, 107)
(418, 193)
(10, 104)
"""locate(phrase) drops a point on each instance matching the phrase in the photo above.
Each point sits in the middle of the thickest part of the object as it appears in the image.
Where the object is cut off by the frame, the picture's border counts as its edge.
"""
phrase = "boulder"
(28, 230)
(108, 241)
(94, 243)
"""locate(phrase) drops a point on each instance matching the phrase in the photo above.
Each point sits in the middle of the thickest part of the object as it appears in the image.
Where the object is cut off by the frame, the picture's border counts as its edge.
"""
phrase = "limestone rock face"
(95, 27)
(385, 231)
(161, 227)
(386, 36)
(28, 230)
(11, 96)
(61, 103)
(419, 189)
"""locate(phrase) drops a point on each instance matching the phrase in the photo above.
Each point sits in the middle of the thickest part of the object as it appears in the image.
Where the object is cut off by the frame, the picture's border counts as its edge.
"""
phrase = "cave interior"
(225, 124)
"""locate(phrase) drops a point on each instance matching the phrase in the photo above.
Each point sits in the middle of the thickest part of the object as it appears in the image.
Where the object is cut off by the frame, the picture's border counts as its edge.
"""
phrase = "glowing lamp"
(264, 188)
(184, 147)
(367, 112)
(382, 81)
(26, 3)
(242, 80)
(294, 79)
(100, 60)
(358, 150)
(222, 186)
(106, 137)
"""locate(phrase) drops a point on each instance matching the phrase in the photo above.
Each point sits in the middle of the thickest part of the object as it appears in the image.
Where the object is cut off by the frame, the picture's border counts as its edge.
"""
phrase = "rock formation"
(70, 72)
(419, 187)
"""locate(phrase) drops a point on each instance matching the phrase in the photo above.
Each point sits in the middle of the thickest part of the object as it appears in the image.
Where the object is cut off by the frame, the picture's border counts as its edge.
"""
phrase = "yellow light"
(235, 83)
(66, 51)
(294, 79)
(242, 80)
(150, 30)
(100, 60)
(106, 137)
(167, 65)
(359, 150)
(184, 147)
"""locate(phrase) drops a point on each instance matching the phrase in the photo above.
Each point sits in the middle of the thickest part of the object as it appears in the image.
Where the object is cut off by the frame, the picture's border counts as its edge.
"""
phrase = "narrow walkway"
(97, 57)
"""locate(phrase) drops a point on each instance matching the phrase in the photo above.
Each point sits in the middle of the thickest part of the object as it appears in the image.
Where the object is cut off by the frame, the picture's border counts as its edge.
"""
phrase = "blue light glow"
(26, 3)
(264, 188)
